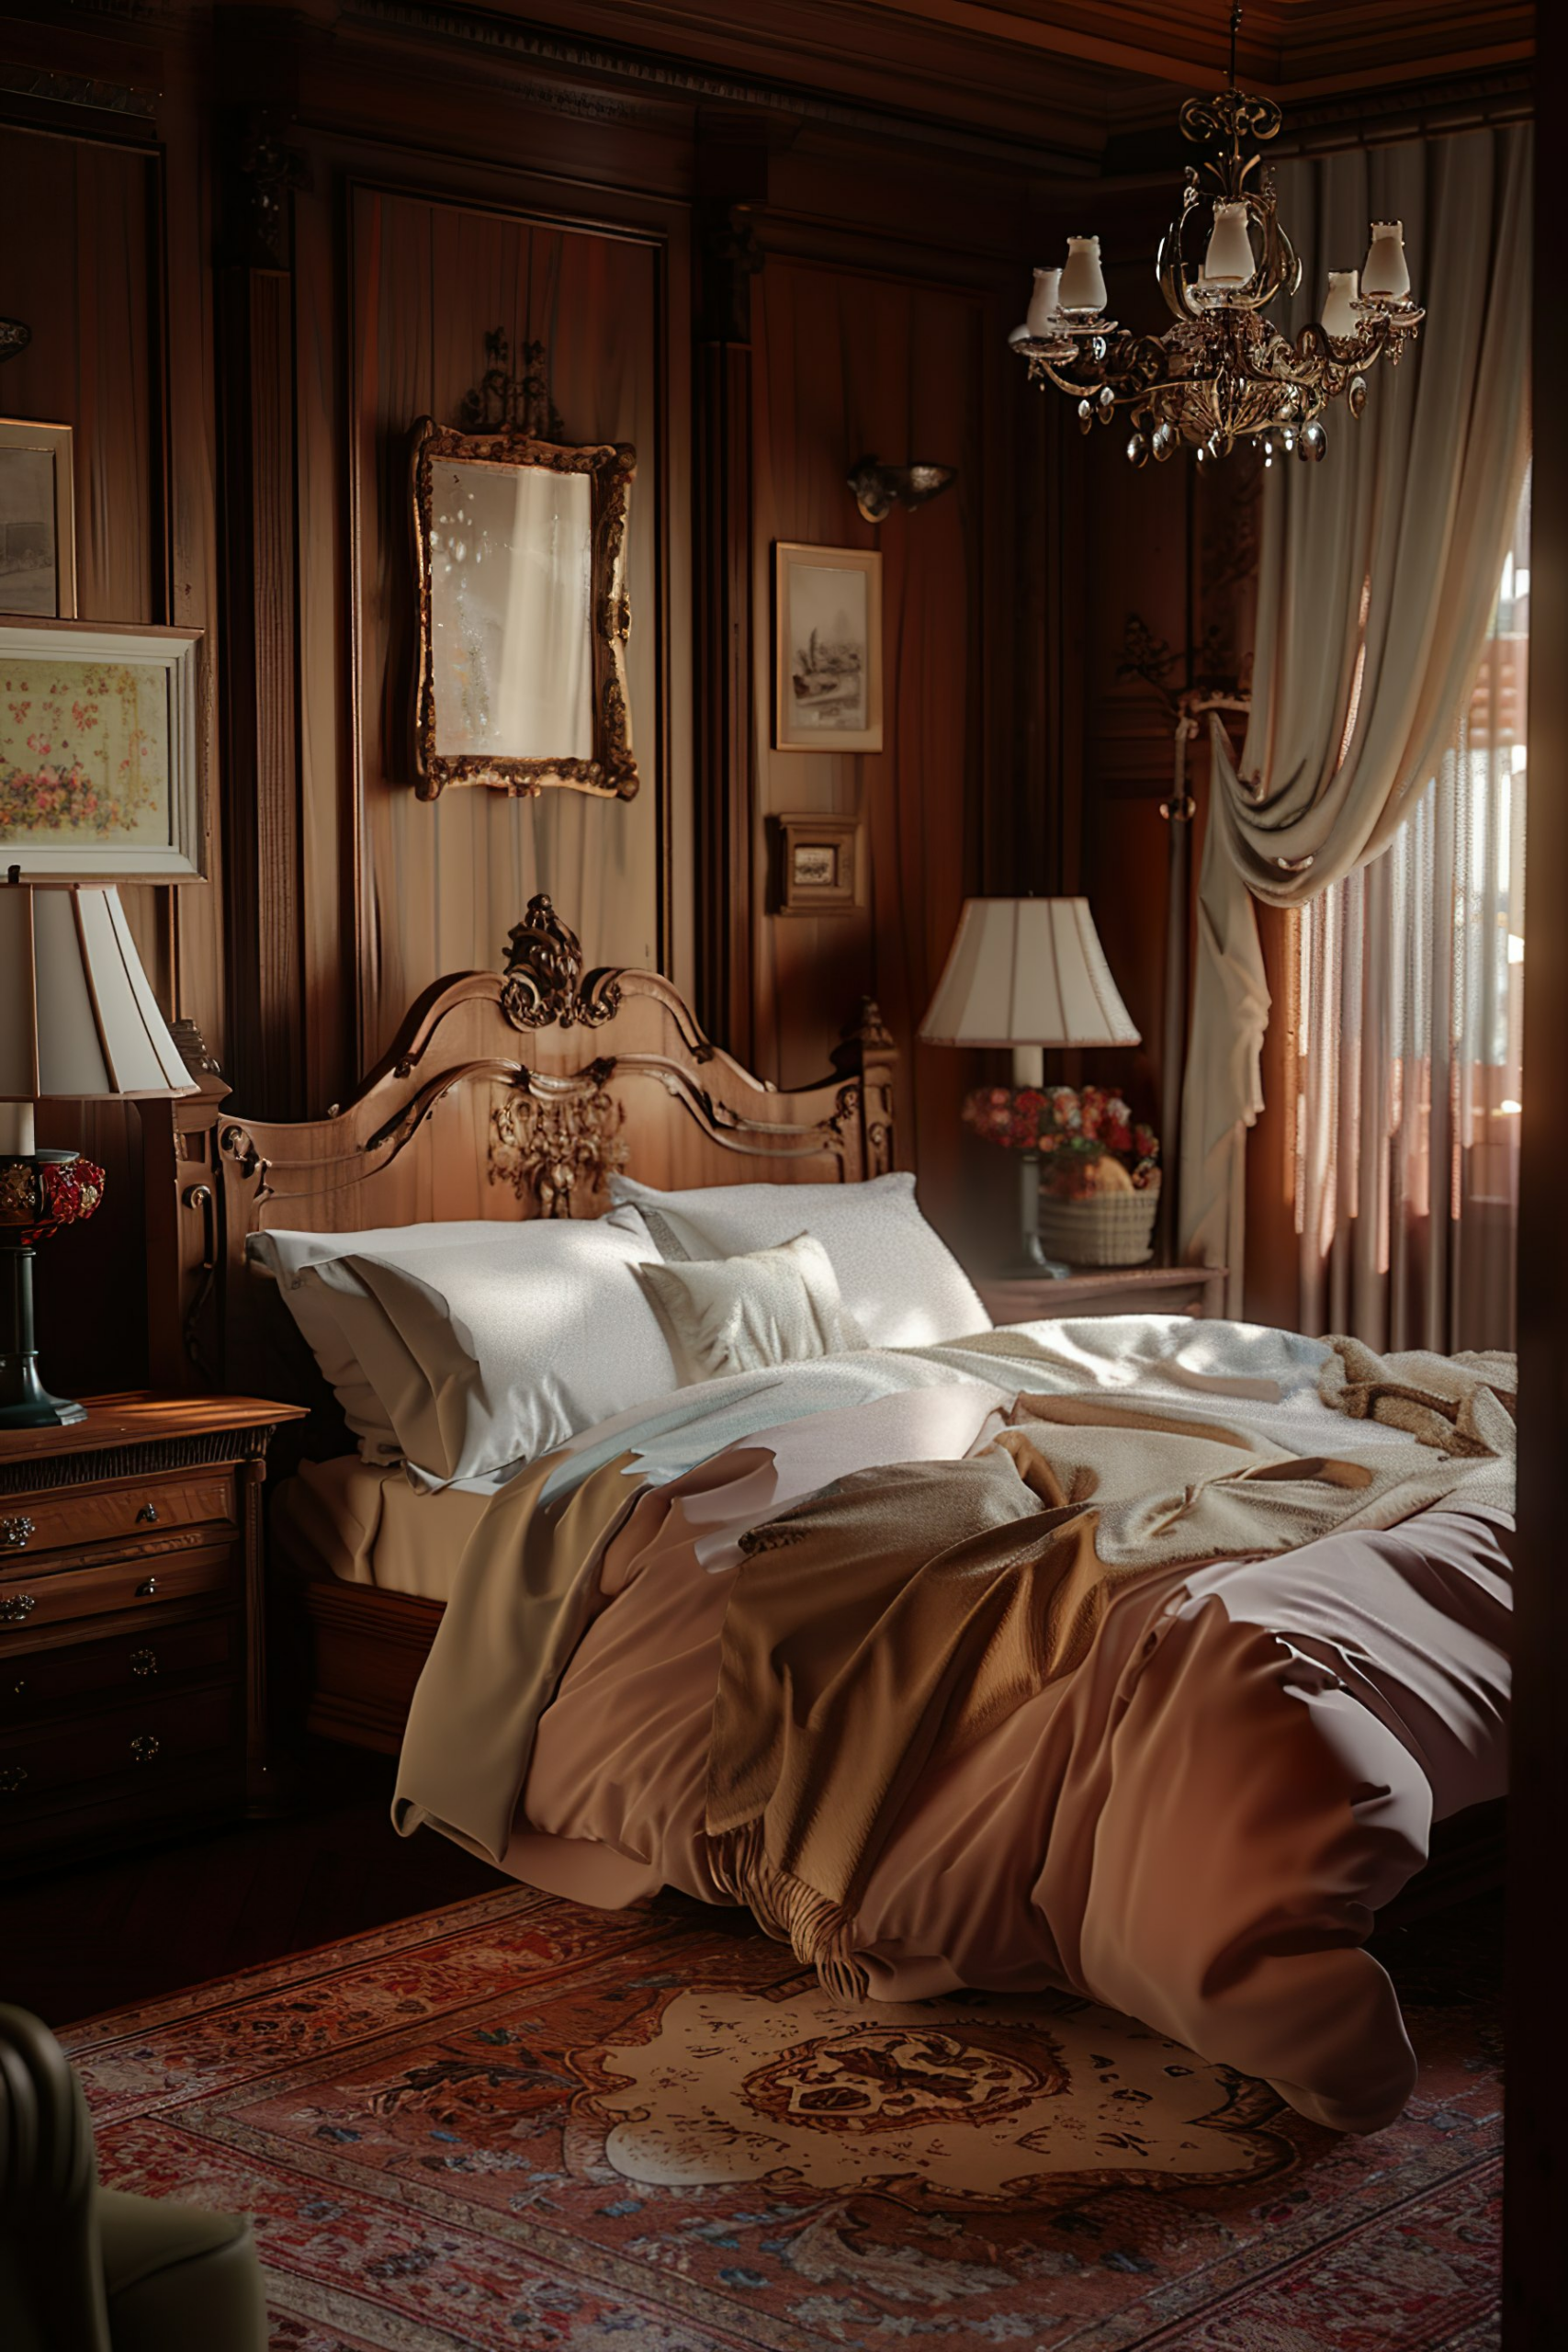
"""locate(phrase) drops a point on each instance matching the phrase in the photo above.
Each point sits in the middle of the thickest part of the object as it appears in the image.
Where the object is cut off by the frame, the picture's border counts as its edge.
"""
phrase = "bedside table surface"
(1128, 1290)
(139, 1417)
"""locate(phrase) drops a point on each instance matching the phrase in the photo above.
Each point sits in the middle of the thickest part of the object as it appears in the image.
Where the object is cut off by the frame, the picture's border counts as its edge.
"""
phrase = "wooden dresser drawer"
(139, 1508)
(118, 1746)
(143, 1663)
(29, 1601)
(132, 1658)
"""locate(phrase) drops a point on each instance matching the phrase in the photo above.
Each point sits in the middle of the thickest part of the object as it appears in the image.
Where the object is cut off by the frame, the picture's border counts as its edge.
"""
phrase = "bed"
(717, 1628)
(507, 1095)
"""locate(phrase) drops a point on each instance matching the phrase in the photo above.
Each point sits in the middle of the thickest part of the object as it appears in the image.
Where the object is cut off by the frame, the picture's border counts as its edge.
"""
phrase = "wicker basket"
(1111, 1229)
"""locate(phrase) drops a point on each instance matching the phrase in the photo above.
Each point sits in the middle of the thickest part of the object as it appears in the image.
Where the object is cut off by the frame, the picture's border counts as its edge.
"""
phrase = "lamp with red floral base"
(77, 1020)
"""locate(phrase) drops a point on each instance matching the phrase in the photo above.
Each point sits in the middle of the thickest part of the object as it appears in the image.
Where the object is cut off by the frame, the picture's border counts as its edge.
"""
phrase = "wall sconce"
(879, 488)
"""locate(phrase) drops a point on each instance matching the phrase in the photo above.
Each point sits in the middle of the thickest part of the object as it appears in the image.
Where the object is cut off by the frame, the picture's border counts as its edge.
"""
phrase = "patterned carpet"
(517, 2124)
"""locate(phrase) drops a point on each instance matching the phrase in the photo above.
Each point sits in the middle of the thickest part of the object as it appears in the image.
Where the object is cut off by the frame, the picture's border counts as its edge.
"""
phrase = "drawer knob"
(146, 1588)
(144, 1661)
(145, 1745)
(148, 1515)
(12, 1778)
(16, 1608)
(19, 1688)
(15, 1533)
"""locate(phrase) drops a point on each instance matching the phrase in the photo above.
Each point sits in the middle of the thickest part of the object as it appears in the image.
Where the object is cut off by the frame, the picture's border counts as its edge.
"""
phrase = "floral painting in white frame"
(100, 750)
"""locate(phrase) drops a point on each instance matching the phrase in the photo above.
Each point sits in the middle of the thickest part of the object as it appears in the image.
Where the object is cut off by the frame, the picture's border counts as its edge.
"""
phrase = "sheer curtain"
(1376, 574)
(1409, 974)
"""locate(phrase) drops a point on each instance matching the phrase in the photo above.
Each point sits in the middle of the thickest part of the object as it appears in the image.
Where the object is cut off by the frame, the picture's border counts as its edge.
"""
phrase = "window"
(1408, 1090)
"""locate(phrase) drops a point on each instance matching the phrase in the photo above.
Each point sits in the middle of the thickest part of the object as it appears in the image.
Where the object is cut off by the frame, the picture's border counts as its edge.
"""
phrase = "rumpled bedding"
(1194, 1823)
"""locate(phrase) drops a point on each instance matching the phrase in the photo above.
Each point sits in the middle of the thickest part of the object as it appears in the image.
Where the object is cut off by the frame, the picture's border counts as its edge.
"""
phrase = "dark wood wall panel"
(848, 363)
(82, 278)
(441, 883)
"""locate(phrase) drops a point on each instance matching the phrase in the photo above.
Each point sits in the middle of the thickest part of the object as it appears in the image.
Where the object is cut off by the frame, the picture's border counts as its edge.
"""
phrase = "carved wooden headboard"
(505, 1095)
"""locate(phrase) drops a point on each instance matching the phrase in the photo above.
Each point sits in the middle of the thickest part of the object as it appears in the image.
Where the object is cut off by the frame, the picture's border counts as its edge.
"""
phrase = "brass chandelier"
(1223, 373)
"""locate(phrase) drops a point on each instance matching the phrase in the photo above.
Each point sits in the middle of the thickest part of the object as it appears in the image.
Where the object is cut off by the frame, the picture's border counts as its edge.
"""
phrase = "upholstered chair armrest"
(90, 2270)
(52, 2281)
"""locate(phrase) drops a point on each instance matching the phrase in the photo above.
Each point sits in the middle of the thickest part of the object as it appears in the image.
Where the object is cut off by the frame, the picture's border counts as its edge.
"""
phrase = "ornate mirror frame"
(610, 773)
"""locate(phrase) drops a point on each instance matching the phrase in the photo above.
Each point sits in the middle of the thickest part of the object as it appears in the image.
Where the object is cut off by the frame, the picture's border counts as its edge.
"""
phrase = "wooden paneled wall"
(253, 247)
(104, 257)
(847, 363)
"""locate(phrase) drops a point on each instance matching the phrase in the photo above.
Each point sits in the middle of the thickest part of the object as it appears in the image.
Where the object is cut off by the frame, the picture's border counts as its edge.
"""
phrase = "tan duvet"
(1194, 1825)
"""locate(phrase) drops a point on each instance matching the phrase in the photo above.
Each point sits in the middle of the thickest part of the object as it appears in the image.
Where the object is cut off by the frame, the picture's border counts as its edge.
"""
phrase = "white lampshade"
(1339, 318)
(77, 1016)
(1027, 972)
(1386, 277)
(1082, 285)
(1043, 304)
(1229, 260)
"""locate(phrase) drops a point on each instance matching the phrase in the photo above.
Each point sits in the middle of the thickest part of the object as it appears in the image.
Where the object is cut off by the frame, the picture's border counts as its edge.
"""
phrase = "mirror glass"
(511, 594)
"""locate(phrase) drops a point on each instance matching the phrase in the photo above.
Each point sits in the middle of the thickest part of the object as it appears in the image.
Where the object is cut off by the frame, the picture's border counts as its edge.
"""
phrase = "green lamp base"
(25, 1402)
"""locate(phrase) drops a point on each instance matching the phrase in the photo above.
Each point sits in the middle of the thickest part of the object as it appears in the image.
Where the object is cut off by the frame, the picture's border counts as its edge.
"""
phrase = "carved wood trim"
(544, 975)
(544, 1149)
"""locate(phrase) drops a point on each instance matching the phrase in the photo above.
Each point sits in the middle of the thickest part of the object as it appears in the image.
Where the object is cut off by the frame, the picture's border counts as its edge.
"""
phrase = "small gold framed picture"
(38, 525)
(826, 649)
(818, 863)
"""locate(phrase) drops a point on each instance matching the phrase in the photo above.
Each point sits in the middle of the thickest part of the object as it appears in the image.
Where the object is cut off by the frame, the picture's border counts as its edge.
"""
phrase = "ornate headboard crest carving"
(544, 975)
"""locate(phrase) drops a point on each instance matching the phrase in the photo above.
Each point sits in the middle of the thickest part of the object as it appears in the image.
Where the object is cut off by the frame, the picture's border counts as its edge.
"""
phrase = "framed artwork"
(827, 649)
(100, 750)
(37, 520)
(818, 865)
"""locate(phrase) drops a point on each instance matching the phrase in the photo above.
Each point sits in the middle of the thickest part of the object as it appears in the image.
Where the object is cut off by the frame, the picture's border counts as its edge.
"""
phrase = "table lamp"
(1028, 973)
(77, 1019)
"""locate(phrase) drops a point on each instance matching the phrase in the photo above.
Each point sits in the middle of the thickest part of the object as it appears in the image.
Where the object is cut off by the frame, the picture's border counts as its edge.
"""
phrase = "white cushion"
(771, 1306)
(898, 1279)
(484, 1363)
(293, 1259)
(466, 1347)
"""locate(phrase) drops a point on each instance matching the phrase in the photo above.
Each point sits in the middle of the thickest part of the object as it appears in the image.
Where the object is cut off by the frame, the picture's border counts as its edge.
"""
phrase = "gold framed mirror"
(524, 613)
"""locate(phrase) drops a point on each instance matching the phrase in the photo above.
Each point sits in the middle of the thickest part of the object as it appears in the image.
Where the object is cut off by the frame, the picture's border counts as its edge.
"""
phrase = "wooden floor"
(102, 1935)
(78, 1941)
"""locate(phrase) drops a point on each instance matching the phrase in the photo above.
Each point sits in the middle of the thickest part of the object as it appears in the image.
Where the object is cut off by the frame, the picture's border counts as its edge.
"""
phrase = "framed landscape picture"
(827, 649)
(100, 750)
(817, 865)
(38, 529)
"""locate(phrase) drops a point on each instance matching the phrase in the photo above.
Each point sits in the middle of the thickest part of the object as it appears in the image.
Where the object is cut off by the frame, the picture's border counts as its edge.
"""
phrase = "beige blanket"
(877, 1630)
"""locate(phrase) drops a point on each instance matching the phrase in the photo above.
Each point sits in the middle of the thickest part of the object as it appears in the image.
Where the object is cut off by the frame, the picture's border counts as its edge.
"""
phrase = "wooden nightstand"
(132, 1665)
(1109, 1290)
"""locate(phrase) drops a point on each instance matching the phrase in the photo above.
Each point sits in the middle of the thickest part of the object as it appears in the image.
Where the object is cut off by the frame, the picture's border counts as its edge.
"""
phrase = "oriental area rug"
(515, 2122)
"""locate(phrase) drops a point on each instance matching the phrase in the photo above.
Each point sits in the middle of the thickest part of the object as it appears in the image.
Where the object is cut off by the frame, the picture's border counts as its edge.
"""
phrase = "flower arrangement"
(1086, 1136)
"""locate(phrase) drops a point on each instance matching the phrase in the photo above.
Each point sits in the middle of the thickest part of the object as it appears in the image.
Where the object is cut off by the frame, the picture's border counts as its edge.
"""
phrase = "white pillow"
(293, 1259)
(773, 1306)
(309, 1269)
(484, 1361)
(900, 1280)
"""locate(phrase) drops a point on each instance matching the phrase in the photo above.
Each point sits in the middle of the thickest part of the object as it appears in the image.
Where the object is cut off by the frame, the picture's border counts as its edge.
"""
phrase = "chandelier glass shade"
(1223, 372)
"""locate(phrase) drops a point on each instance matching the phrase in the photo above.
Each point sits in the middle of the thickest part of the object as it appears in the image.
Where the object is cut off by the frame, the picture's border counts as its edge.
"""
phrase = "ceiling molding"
(1042, 88)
